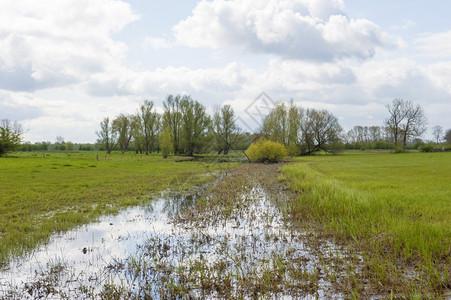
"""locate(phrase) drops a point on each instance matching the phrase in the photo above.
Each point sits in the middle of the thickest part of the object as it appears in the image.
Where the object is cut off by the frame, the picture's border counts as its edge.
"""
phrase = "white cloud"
(300, 29)
(55, 43)
(436, 44)
(60, 64)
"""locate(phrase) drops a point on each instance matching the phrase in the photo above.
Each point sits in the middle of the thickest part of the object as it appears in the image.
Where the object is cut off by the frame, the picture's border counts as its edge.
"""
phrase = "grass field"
(395, 209)
(390, 211)
(40, 196)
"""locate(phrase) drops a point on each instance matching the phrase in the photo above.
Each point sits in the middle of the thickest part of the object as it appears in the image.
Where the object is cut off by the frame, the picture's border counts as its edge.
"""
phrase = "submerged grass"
(44, 194)
(394, 208)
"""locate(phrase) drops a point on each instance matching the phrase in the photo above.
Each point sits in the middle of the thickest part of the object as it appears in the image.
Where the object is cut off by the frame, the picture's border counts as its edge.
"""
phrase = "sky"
(67, 64)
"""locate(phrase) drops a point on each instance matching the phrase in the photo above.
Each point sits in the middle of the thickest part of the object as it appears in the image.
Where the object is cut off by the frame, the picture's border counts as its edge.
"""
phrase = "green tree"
(225, 130)
(149, 126)
(166, 143)
(172, 118)
(137, 139)
(107, 136)
(122, 125)
(320, 131)
(195, 125)
(282, 124)
(302, 131)
(10, 136)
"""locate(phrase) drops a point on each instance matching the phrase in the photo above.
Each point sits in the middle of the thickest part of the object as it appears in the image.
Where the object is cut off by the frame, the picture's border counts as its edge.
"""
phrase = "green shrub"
(427, 148)
(266, 151)
(431, 147)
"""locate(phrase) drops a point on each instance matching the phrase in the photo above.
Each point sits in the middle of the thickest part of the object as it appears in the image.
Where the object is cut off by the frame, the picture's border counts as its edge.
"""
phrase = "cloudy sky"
(67, 64)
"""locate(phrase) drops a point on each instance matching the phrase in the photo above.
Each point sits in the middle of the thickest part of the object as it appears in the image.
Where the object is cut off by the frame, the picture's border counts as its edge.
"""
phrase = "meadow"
(372, 224)
(43, 194)
(394, 210)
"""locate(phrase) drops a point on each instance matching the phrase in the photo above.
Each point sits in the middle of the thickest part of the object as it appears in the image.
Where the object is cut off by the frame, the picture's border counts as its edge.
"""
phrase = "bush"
(431, 147)
(266, 151)
(427, 148)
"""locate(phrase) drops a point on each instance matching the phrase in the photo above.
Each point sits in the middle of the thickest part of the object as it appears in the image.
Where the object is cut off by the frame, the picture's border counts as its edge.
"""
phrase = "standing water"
(158, 251)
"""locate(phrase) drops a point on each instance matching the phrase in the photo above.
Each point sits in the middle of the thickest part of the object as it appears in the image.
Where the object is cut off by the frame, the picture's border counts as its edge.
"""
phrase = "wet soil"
(230, 239)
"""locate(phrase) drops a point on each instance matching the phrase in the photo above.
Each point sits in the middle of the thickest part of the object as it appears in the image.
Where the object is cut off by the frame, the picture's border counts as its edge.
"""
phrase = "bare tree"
(437, 132)
(406, 121)
(397, 113)
(107, 136)
(375, 134)
(10, 136)
(415, 123)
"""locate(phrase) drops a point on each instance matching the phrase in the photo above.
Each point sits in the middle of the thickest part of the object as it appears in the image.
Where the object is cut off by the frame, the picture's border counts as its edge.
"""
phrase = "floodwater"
(151, 251)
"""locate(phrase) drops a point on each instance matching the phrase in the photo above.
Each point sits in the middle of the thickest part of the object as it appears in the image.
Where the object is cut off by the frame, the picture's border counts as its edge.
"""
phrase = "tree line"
(184, 127)
(306, 131)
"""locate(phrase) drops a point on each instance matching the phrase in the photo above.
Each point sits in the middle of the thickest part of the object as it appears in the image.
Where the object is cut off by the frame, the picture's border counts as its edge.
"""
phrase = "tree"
(282, 124)
(437, 132)
(224, 128)
(137, 139)
(172, 118)
(405, 121)
(275, 124)
(375, 134)
(415, 123)
(148, 126)
(447, 136)
(60, 144)
(195, 125)
(107, 136)
(10, 136)
(397, 113)
(320, 131)
(302, 131)
(166, 144)
(122, 126)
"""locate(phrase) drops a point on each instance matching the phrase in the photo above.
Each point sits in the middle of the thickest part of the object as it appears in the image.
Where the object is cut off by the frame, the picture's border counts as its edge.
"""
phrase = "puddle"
(151, 251)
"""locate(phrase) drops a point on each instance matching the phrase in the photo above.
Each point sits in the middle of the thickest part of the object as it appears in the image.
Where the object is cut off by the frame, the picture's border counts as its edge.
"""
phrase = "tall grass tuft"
(393, 208)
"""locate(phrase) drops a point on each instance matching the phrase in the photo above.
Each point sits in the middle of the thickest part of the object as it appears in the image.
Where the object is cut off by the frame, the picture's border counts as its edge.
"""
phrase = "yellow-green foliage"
(166, 144)
(266, 151)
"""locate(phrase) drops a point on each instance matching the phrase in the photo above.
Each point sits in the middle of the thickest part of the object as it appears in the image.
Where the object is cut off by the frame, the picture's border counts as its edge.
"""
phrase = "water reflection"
(83, 254)
(148, 251)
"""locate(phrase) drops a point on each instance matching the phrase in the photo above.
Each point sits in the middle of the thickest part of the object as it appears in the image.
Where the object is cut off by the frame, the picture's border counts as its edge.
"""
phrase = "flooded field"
(226, 240)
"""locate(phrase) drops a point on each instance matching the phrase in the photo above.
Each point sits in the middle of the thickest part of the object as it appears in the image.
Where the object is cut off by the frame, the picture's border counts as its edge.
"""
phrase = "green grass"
(396, 209)
(41, 196)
